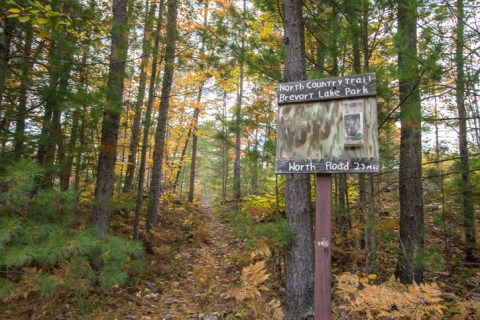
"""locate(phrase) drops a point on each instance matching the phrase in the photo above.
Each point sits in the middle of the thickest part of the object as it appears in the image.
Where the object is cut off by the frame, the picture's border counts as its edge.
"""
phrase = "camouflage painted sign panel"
(334, 136)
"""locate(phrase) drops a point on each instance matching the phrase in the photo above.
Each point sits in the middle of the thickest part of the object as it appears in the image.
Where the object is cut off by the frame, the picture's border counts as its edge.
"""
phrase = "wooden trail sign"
(328, 126)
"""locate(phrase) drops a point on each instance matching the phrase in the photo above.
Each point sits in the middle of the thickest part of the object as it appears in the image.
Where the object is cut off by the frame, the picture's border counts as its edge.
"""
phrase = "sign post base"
(323, 246)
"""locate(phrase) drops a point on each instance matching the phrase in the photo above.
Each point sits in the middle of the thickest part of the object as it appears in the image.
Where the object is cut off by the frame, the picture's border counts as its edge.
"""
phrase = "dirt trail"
(187, 278)
(195, 284)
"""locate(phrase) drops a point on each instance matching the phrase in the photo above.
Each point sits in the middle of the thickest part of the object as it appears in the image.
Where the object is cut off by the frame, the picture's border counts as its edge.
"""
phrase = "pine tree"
(466, 187)
(111, 119)
(160, 132)
(135, 136)
(409, 264)
(147, 123)
(298, 208)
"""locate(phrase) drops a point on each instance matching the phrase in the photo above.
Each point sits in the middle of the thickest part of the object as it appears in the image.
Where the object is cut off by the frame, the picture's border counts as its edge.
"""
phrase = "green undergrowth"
(272, 227)
(44, 250)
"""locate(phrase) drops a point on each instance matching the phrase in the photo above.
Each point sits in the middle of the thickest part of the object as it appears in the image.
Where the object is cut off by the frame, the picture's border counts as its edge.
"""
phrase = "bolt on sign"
(328, 126)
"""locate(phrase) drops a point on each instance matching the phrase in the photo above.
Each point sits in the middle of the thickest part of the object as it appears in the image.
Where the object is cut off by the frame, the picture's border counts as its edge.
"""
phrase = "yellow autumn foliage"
(391, 300)
(252, 286)
(261, 249)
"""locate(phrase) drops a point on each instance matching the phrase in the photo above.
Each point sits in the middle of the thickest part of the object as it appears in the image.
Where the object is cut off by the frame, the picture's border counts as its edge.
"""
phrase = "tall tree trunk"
(342, 212)
(255, 156)
(196, 113)
(72, 150)
(57, 137)
(440, 181)
(298, 208)
(182, 158)
(5, 45)
(111, 119)
(357, 36)
(148, 124)
(365, 46)
(135, 136)
(468, 209)
(224, 149)
(19, 138)
(82, 118)
(158, 152)
(476, 120)
(409, 266)
(51, 138)
(237, 183)
(46, 147)
(194, 145)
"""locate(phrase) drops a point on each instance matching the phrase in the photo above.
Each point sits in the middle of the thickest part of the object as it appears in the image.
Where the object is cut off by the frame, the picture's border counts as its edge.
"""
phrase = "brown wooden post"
(323, 246)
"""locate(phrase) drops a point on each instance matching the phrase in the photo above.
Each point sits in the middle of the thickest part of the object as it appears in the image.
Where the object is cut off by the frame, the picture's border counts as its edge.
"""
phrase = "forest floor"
(195, 265)
(202, 269)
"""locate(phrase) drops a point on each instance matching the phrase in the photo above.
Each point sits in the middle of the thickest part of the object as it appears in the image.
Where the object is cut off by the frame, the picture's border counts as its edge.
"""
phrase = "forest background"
(115, 113)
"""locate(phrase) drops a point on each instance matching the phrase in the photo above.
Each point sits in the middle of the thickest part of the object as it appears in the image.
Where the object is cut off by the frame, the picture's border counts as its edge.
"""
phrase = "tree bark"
(224, 149)
(19, 138)
(342, 210)
(111, 119)
(409, 266)
(466, 188)
(193, 162)
(158, 152)
(182, 158)
(135, 135)
(237, 184)
(300, 255)
(59, 73)
(73, 152)
(147, 120)
(5, 47)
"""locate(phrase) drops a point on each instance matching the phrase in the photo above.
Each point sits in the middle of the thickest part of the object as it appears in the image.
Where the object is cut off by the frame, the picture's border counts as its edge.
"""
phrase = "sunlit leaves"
(44, 17)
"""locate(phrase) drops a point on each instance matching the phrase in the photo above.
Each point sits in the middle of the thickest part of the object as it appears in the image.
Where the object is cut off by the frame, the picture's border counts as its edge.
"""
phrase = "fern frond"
(274, 309)
(255, 274)
(391, 299)
(261, 249)
(252, 278)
